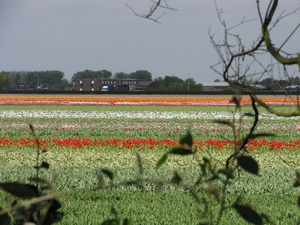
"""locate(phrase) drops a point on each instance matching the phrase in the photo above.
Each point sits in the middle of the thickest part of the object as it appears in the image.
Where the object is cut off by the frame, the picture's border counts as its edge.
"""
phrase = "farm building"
(96, 84)
(146, 85)
(215, 86)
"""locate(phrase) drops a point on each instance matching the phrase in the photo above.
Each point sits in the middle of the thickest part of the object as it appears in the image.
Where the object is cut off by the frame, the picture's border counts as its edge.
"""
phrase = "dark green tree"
(50, 79)
(120, 75)
(63, 84)
(142, 75)
(104, 74)
(4, 80)
(91, 74)
(160, 81)
(172, 80)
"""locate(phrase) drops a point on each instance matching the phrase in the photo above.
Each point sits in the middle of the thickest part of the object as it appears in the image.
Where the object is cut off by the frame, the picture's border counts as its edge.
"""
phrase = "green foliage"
(248, 164)
(41, 208)
(91, 74)
(173, 83)
(4, 80)
(142, 75)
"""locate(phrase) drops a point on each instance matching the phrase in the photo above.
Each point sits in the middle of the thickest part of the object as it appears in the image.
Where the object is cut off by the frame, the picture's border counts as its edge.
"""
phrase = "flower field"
(81, 134)
(136, 127)
(136, 100)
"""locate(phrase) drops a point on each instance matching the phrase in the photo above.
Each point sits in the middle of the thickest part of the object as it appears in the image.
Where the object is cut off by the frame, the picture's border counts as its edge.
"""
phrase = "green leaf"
(297, 181)
(181, 151)
(248, 214)
(205, 160)
(55, 205)
(298, 202)
(248, 164)
(108, 173)
(31, 128)
(162, 160)
(21, 190)
(5, 219)
(45, 165)
(140, 165)
(176, 179)
(203, 169)
(187, 139)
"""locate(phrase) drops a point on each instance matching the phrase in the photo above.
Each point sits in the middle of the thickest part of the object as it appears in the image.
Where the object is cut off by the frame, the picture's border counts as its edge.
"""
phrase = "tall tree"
(4, 80)
(104, 74)
(120, 75)
(91, 74)
(50, 79)
(142, 75)
(172, 80)
(159, 80)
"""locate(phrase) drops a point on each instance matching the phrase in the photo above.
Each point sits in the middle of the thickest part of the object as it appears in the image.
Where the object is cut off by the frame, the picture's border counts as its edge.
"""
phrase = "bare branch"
(289, 37)
(145, 16)
(153, 9)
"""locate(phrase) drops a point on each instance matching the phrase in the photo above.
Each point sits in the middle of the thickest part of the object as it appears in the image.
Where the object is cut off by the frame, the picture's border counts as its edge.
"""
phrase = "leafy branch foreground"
(210, 190)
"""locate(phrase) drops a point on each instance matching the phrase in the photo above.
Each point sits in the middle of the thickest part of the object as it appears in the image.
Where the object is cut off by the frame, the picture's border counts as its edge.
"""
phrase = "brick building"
(96, 84)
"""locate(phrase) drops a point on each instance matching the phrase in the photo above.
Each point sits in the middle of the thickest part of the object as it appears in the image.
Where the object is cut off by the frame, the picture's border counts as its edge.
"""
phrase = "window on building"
(92, 89)
(114, 82)
(80, 82)
(80, 89)
(92, 83)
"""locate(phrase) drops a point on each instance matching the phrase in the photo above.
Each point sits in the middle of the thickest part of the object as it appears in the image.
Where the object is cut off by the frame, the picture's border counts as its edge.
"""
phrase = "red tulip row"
(127, 143)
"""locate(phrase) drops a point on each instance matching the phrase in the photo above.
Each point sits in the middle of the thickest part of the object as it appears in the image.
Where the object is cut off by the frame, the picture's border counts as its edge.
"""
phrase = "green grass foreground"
(271, 192)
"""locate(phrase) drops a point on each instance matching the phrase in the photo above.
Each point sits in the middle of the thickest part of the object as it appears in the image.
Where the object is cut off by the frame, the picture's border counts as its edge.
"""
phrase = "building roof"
(215, 84)
(93, 78)
(145, 83)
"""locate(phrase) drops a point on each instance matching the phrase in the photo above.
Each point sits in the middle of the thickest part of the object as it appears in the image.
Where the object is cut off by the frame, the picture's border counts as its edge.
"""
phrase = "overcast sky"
(75, 35)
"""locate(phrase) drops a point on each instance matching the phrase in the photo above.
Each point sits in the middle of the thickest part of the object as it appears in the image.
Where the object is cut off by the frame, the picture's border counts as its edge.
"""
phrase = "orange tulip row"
(127, 99)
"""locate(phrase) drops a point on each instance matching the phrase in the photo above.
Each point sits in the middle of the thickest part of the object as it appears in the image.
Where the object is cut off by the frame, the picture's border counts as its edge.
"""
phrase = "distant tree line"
(33, 80)
(274, 84)
(173, 83)
(54, 80)
(142, 75)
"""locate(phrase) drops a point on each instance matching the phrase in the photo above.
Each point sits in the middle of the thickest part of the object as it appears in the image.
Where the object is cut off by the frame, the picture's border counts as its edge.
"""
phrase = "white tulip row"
(136, 114)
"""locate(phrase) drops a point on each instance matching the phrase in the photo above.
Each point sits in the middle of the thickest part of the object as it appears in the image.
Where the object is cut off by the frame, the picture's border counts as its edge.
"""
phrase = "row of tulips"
(142, 144)
(136, 100)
